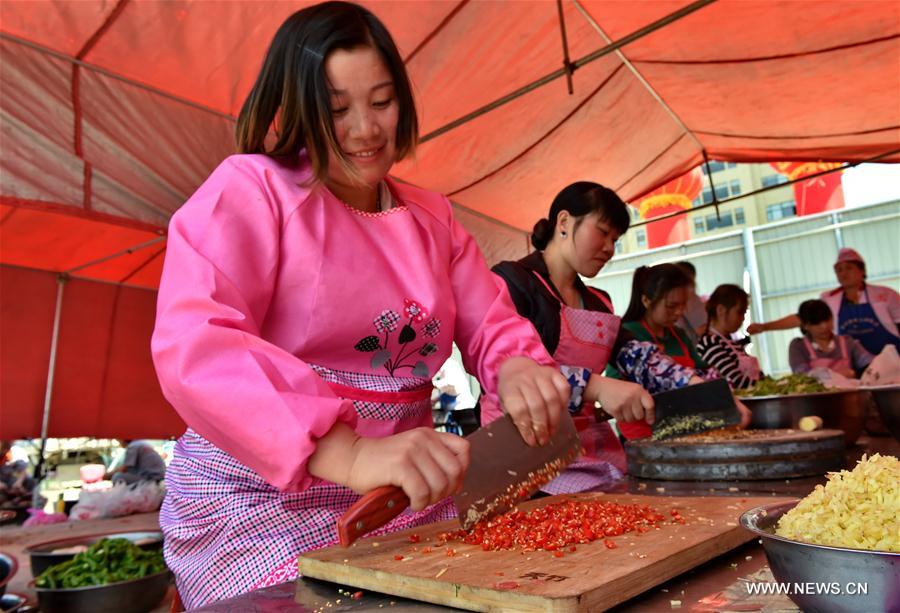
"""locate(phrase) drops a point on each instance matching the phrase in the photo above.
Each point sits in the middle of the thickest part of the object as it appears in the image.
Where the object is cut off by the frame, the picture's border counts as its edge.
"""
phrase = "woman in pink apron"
(726, 308)
(306, 301)
(578, 326)
(820, 347)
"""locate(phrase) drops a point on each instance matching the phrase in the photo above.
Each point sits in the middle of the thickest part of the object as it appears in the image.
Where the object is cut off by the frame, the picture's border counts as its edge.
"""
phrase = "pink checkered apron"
(586, 340)
(227, 531)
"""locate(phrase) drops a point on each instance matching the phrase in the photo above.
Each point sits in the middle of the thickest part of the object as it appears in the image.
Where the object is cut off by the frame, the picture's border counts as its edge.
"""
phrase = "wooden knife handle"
(372, 511)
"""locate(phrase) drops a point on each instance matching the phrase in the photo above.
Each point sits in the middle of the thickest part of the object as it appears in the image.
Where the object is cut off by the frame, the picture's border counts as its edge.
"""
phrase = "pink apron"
(586, 340)
(834, 364)
(229, 531)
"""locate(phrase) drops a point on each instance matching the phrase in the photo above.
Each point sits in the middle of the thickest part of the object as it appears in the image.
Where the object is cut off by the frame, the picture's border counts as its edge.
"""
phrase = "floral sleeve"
(578, 379)
(643, 363)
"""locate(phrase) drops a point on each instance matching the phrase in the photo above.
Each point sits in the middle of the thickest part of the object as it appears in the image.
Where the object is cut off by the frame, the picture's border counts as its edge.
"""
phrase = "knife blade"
(693, 409)
(503, 471)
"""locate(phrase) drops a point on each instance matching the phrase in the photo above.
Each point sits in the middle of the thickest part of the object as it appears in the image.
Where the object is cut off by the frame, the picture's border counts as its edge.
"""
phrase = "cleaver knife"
(694, 409)
(503, 471)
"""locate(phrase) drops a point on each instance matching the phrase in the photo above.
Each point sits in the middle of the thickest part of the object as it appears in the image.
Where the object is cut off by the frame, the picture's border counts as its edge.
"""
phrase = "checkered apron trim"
(227, 531)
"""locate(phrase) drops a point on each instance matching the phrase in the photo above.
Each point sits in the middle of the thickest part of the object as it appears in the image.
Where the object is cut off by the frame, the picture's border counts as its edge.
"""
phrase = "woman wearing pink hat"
(869, 313)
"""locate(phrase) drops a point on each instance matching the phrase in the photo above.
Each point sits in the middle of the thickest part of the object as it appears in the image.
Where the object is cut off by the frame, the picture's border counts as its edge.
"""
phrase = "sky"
(871, 183)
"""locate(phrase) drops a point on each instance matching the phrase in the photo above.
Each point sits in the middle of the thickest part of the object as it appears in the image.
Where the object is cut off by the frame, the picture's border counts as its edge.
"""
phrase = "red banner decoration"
(676, 195)
(817, 194)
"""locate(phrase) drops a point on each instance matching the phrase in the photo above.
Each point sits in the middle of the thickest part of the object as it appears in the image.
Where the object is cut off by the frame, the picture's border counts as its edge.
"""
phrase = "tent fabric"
(148, 113)
(104, 383)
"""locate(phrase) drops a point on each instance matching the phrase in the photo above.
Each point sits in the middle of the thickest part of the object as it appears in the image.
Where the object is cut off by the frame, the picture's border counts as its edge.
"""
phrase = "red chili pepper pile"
(556, 526)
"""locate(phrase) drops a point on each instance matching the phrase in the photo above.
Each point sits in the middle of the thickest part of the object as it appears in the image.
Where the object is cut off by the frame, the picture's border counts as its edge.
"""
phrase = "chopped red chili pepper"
(357, 595)
(557, 526)
(414, 538)
(610, 544)
(398, 557)
(558, 554)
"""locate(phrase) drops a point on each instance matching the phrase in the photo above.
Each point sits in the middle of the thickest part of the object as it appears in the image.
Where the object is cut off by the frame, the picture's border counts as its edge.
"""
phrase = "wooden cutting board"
(592, 578)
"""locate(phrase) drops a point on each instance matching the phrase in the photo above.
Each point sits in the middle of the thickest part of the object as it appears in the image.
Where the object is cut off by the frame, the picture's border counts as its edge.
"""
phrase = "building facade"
(730, 180)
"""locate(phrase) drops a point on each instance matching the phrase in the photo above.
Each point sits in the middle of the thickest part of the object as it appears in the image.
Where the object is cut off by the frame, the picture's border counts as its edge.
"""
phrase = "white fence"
(780, 264)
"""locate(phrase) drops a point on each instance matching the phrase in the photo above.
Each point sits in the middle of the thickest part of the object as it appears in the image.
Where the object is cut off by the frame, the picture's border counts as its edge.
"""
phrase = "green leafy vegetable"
(106, 561)
(790, 384)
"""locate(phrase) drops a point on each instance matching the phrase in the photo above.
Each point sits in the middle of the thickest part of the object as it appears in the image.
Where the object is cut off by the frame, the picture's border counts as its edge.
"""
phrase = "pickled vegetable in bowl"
(782, 386)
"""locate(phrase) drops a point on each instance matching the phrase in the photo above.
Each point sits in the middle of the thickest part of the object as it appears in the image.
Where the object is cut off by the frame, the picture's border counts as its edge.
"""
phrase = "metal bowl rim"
(809, 395)
(21, 600)
(749, 514)
(72, 590)
(39, 549)
(13, 567)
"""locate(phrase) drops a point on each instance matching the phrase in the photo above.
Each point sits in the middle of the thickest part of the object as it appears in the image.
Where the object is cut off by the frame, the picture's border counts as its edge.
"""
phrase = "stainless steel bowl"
(135, 596)
(47, 554)
(840, 410)
(887, 399)
(840, 570)
(8, 568)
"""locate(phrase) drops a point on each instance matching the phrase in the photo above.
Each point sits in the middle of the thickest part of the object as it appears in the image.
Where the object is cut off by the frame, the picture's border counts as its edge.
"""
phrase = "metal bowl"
(135, 596)
(10, 603)
(8, 567)
(840, 410)
(831, 572)
(47, 554)
(887, 399)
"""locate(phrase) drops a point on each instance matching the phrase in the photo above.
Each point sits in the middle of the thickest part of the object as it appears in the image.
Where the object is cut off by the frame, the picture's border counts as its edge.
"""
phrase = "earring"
(563, 233)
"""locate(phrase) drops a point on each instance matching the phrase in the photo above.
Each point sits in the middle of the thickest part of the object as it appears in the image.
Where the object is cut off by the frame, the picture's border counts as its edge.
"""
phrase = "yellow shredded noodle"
(858, 509)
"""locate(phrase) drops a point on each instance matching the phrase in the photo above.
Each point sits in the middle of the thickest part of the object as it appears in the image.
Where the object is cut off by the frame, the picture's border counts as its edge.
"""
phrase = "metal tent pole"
(51, 370)
(756, 294)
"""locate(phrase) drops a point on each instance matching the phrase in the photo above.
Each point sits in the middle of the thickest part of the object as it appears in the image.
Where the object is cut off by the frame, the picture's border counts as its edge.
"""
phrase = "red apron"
(641, 429)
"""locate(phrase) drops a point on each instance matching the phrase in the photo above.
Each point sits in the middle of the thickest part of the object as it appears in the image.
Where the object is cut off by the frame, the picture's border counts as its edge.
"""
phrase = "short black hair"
(812, 312)
(688, 268)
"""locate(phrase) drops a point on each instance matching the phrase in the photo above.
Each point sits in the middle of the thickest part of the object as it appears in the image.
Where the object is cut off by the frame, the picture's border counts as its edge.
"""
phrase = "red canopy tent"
(112, 113)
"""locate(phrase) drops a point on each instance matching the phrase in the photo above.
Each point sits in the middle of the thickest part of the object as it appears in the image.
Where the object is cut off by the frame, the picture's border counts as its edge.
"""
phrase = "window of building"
(776, 179)
(721, 192)
(739, 217)
(714, 166)
(724, 221)
(731, 164)
(781, 210)
(735, 187)
(641, 237)
(699, 228)
(706, 195)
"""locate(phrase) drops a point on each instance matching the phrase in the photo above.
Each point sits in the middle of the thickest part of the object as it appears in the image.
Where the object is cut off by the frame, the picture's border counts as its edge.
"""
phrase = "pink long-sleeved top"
(269, 278)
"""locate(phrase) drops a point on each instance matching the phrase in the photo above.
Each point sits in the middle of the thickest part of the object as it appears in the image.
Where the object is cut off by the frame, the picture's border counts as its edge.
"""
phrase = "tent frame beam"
(766, 189)
(606, 50)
